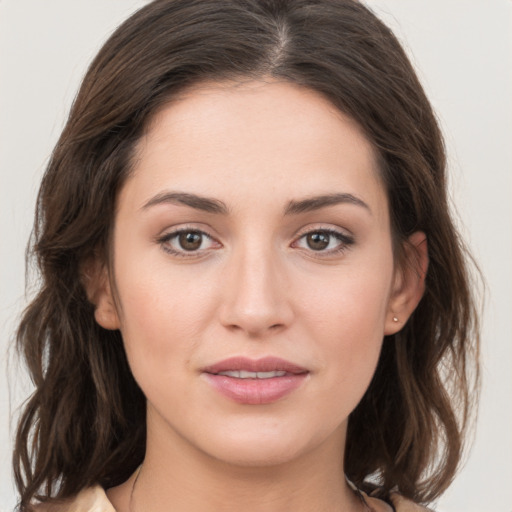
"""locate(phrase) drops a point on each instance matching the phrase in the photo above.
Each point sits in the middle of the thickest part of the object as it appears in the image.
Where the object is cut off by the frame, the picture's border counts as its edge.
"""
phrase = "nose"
(255, 294)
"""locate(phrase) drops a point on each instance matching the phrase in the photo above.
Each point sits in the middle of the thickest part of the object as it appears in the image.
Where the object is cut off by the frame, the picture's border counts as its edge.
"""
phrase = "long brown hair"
(85, 422)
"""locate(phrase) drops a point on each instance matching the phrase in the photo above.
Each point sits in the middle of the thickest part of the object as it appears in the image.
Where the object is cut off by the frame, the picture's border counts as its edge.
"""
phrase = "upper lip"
(265, 364)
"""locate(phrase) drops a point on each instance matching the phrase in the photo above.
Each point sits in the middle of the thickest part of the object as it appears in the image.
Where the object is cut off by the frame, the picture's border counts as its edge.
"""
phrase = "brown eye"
(318, 241)
(326, 243)
(189, 243)
(190, 240)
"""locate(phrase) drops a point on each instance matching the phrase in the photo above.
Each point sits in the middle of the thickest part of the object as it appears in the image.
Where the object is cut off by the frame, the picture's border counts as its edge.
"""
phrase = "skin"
(255, 288)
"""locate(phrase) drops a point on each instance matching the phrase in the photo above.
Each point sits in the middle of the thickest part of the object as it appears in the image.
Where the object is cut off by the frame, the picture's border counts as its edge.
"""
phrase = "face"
(254, 272)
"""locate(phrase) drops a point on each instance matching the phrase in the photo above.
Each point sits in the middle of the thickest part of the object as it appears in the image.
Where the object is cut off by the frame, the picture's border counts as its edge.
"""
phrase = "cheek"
(351, 301)
(162, 316)
(345, 315)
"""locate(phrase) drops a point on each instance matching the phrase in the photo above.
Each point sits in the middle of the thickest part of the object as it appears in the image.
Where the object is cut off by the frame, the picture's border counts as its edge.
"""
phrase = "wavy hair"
(85, 422)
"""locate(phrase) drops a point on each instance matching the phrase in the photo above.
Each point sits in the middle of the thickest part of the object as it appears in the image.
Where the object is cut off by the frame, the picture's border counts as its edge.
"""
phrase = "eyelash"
(345, 242)
(165, 240)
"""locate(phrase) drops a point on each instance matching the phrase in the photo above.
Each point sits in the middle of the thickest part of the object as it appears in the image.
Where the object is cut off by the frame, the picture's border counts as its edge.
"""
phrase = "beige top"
(94, 499)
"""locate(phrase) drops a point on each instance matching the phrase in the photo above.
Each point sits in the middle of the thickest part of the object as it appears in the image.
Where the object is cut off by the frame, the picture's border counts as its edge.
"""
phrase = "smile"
(243, 374)
(255, 382)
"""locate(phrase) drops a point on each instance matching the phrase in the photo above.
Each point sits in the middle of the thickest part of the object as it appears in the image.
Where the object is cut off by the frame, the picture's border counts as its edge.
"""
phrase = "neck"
(174, 473)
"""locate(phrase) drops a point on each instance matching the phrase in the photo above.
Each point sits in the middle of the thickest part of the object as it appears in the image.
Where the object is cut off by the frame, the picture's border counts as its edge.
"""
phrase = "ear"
(95, 279)
(409, 283)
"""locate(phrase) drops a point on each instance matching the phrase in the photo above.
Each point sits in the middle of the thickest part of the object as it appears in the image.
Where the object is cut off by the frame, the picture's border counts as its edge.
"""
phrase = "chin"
(263, 447)
(257, 455)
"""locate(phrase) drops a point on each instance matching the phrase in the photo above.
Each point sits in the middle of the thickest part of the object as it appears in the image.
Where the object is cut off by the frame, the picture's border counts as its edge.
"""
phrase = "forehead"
(235, 139)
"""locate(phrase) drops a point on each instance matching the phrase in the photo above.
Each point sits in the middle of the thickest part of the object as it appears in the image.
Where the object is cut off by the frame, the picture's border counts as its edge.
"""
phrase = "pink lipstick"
(254, 382)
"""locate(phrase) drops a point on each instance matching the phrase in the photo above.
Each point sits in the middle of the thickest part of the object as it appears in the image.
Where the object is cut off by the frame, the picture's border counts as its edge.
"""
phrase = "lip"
(265, 364)
(255, 391)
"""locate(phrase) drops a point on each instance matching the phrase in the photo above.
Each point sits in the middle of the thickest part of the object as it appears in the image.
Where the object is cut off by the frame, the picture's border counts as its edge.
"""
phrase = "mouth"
(255, 382)
(244, 374)
(243, 367)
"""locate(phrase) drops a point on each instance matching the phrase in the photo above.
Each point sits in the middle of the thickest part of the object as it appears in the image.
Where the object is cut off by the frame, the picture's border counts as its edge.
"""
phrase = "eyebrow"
(205, 204)
(210, 205)
(318, 202)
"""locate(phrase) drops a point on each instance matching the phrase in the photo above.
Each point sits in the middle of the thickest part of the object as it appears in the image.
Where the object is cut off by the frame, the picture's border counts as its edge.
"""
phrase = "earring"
(395, 319)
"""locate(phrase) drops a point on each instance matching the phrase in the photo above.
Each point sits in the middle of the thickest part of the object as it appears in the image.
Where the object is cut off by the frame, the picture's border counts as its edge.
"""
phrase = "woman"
(251, 285)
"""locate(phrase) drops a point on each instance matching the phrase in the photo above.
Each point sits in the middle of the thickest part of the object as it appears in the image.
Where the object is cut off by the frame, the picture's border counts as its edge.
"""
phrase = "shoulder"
(402, 504)
(398, 502)
(92, 499)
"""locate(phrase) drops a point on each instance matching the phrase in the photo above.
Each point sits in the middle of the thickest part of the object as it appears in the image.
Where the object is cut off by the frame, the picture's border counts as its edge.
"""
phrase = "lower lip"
(255, 391)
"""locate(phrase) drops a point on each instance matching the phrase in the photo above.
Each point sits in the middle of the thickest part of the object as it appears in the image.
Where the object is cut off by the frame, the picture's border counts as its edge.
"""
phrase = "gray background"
(463, 52)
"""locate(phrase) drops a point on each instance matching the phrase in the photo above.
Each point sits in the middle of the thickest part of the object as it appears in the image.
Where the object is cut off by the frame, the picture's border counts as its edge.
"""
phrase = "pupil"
(318, 241)
(190, 241)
